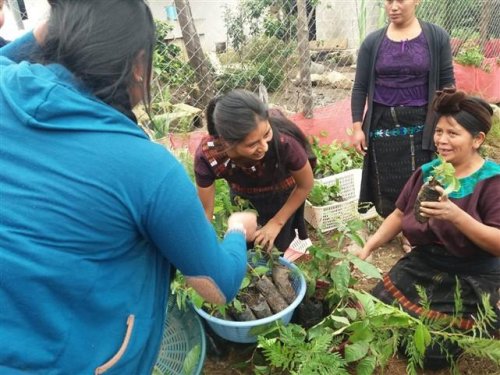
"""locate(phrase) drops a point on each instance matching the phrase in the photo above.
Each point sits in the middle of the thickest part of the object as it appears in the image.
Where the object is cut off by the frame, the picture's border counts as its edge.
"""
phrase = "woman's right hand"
(358, 138)
(246, 219)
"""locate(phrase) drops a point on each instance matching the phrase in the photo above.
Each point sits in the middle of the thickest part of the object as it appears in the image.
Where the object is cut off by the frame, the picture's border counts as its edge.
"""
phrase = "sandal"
(405, 244)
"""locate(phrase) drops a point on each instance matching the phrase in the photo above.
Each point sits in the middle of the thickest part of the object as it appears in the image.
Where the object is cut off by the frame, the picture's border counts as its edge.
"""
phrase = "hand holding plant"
(442, 175)
(265, 236)
(444, 209)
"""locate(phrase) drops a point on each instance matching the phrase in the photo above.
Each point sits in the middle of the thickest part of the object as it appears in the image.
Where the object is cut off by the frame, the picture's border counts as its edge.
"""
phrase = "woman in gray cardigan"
(399, 69)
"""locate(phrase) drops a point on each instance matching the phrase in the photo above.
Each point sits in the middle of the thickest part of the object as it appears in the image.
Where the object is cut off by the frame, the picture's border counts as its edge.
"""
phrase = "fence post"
(304, 59)
(195, 53)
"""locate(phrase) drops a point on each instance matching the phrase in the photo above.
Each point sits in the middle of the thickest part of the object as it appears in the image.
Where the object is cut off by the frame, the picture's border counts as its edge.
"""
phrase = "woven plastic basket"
(240, 331)
(183, 335)
(329, 217)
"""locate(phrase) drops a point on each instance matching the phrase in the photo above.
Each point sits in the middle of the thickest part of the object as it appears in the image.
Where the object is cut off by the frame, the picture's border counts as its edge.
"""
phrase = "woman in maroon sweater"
(265, 159)
(458, 246)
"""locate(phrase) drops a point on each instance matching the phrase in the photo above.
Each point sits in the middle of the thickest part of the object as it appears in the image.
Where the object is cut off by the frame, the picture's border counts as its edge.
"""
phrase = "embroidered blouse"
(212, 162)
(402, 72)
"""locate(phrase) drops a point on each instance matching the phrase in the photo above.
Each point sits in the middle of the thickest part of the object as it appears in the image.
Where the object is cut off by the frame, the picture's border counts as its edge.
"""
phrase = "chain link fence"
(294, 53)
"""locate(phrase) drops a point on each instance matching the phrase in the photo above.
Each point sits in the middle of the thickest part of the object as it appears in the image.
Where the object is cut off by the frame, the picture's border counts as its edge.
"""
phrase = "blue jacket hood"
(34, 93)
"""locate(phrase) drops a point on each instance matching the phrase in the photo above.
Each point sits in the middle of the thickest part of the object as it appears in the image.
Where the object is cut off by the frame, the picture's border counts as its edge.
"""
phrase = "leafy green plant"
(168, 65)
(262, 60)
(262, 33)
(330, 265)
(253, 18)
(470, 57)
(234, 27)
(271, 57)
(334, 158)
(242, 77)
(322, 194)
(369, 332)
(224, 206)
(291, 349)
(444, 174)
(170, 71)
(283, 28)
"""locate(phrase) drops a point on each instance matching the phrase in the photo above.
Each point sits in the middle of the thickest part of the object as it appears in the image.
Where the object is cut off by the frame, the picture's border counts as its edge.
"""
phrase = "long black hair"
(99, 42)
(283, 124)
(236, 114)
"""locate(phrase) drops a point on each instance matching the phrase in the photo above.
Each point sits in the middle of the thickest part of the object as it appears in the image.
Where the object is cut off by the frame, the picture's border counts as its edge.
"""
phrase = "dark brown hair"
(234, 115)
(473, 113)
(99, 41)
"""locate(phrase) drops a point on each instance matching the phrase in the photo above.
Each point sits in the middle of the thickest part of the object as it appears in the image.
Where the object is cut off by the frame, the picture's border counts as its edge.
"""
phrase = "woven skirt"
(442, 276)
(394, 153)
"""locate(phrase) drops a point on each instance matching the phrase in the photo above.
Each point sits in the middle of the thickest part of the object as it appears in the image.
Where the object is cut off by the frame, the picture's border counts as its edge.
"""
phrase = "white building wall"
(208, 17)
(334, 19)
(339, 19)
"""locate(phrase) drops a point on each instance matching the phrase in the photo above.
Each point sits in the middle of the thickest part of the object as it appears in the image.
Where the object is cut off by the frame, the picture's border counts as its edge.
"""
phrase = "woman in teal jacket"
(94, 215)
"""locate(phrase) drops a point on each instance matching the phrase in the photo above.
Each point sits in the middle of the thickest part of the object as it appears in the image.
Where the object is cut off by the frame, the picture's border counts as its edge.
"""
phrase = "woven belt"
(396, 132)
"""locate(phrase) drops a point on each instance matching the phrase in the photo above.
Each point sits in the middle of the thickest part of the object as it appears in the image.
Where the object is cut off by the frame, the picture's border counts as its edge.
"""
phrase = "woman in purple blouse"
(458, 247)
(399, 69)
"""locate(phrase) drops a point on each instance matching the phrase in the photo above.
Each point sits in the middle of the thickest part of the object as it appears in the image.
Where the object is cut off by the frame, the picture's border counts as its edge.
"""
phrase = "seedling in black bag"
(442, 175)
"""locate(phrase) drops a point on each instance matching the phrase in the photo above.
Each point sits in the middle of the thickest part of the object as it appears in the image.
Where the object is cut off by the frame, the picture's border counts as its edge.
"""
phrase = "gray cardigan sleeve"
(440, 76)
(361, 81)
(364, 71)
